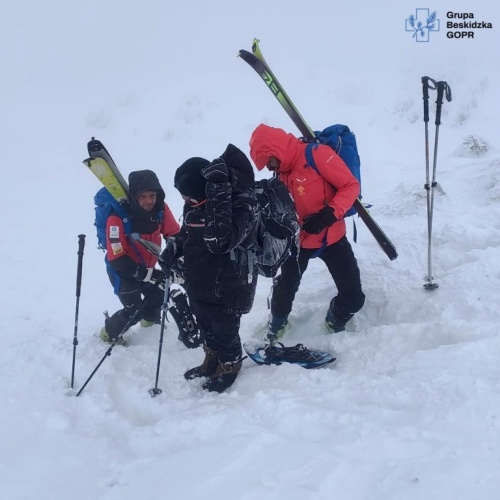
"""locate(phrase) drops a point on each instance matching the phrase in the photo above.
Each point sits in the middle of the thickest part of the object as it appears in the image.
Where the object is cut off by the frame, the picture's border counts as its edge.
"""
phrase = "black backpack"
(276, 234)
(278, 228)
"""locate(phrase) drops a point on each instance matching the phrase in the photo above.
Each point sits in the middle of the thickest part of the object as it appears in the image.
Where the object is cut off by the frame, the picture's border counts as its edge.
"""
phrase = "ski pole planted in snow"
(155, 391)
(130, 323)
(81, 246)
(430, 185)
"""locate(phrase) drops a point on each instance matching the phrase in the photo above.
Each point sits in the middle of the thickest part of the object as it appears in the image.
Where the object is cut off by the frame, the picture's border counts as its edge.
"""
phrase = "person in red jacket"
(130, 266)
(321, 202)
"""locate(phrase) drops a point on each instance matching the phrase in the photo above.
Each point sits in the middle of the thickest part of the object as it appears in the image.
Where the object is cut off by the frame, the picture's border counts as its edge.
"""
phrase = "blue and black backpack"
(343, 141)
(105, 205)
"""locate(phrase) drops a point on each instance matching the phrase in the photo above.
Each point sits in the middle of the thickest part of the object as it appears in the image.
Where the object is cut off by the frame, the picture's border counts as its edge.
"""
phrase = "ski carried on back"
(104, 168)
(256, 60)
(277, 354)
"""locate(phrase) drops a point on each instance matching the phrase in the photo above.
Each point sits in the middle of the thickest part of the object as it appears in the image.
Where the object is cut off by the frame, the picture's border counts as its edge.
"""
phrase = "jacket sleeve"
(170, 227)
(228, 222)
(118, 248)
(333, 169)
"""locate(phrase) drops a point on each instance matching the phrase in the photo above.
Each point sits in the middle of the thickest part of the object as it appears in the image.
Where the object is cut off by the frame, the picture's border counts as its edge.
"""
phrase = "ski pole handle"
(425, 91)
(81, 246)
(442, 89)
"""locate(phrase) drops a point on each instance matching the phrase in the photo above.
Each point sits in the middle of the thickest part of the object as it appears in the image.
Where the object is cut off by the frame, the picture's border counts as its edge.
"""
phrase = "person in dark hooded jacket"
(219, 216)
(131, 267)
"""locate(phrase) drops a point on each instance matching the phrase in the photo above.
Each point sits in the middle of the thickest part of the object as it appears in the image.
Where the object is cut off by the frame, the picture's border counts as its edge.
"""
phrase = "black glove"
(160, 277)
(150, 275)
(327, 215)
(216, 171)
(169, 256)
(315, 223)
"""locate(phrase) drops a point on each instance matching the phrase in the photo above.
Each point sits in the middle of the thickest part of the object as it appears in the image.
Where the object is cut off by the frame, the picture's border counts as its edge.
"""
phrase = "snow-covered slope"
(410, 410)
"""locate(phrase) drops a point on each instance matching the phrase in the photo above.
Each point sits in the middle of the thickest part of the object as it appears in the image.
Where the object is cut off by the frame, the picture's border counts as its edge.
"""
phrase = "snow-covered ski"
(277, 354)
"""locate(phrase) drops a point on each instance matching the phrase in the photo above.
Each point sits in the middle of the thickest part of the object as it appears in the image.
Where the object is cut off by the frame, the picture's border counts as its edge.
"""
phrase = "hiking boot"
(334, 324)
(104, 336)
(146, 324)
(224, 376)
(207, 368)
(275, 329)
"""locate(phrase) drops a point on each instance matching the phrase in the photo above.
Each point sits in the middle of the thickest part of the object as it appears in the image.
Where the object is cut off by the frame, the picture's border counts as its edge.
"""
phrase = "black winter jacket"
(217, 271)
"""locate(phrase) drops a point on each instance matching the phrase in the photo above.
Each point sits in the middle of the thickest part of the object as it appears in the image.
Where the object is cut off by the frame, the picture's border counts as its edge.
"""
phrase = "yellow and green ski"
(104, 168)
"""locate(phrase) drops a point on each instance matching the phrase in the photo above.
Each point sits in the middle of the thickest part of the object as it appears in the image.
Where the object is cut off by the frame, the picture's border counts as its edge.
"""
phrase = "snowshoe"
(189, 333)
(277, 354)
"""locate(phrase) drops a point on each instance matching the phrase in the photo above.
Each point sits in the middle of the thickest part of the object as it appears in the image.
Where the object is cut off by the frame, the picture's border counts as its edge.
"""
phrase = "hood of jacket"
(146, 180)
(268, 141)
(139, 182)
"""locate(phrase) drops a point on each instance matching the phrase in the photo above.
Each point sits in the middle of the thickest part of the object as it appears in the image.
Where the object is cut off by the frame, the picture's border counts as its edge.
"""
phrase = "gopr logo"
(421, 24)
(458, 24)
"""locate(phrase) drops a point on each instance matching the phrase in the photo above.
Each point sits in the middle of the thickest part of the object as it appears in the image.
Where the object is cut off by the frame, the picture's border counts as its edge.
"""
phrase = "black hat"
(188, 179)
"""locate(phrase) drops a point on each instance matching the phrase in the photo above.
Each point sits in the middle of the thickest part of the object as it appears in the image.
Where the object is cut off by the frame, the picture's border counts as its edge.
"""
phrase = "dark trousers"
(343, 267)
(131, 293)
(220, 328)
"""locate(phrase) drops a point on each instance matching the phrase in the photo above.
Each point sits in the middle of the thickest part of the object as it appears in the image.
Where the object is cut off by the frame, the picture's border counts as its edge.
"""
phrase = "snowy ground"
(411, 408)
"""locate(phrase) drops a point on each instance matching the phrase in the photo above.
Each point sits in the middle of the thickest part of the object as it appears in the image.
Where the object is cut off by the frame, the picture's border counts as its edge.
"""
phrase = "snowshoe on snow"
(277, 354)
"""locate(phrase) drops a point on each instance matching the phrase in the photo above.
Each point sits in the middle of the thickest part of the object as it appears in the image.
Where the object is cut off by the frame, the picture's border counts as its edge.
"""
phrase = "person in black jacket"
(219, 215)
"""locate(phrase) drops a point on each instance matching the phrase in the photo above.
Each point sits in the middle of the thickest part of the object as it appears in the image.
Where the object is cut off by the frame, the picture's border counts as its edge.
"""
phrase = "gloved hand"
(150, 275)
(216, 171)
(169, 256)
(315, 223)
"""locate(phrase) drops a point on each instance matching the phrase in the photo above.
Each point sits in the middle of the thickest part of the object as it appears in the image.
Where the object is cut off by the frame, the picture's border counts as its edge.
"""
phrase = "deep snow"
(410, 410)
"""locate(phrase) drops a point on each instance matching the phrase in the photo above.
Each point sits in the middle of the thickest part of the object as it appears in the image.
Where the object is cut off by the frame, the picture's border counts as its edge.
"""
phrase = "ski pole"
(442, 89)
(425, 90)
(155, 391)
(130, 323)
(81, 246)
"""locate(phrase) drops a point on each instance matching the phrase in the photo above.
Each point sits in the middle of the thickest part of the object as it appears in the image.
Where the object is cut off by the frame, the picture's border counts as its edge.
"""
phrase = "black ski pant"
(131, 293)
(220, 329)
(340, 261)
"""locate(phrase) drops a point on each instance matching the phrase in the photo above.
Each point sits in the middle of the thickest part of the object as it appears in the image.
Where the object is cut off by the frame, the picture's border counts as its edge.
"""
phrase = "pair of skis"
(256, 60)
(104, 168)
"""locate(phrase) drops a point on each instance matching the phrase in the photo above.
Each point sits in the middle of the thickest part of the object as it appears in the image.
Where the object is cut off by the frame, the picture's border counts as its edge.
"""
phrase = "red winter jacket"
(336, 185)
(118, 245)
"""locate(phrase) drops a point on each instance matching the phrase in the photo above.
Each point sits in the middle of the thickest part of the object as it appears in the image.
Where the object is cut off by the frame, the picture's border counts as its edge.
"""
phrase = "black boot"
(207, 368)
(224, 376)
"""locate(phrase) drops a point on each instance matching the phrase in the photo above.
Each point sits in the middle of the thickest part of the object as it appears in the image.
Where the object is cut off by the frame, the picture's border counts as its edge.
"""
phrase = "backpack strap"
(309, 156)
(127, 227)
(250, 256)
(319, 250)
